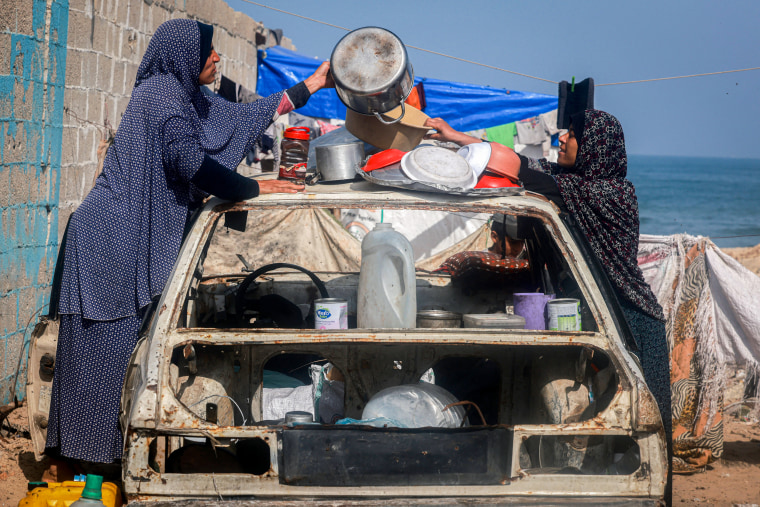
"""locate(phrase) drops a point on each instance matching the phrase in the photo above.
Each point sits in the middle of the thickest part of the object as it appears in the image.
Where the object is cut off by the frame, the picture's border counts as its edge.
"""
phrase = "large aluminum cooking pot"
(338, 162)
(372, 72)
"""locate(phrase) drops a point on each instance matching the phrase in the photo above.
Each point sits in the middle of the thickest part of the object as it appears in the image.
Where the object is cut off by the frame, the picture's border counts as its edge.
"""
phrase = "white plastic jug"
(387, 284)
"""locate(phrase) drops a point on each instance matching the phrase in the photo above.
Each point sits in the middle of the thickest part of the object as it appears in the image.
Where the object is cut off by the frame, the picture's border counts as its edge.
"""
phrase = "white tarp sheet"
(733, 290)
(736, 296)
(429, 232)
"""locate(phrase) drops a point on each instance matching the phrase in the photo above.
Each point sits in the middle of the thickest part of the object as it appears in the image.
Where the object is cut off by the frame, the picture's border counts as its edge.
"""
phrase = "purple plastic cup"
(531, 306)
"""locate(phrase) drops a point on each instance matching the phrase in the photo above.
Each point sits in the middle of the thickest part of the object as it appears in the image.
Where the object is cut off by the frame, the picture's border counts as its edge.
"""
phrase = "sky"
(610, 41)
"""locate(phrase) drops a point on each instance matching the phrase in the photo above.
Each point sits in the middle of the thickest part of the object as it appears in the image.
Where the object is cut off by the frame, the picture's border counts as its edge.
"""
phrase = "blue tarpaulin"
(464, 106)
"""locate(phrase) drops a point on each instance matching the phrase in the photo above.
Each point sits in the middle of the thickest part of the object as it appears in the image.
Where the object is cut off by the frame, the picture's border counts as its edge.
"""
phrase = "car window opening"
(299, 269)
(365, 386)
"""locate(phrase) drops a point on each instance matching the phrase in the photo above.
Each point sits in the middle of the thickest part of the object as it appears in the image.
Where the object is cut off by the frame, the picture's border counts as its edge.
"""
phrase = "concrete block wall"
(67, 68)
(107, 39)
(33, 41)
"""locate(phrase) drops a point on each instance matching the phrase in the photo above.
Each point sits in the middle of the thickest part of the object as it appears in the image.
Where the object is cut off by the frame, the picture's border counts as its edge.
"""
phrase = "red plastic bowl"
(491, 181)
(383, 159)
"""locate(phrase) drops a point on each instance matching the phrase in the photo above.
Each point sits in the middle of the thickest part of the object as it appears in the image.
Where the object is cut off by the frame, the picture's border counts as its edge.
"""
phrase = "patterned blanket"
(465, 263)
(702, 292)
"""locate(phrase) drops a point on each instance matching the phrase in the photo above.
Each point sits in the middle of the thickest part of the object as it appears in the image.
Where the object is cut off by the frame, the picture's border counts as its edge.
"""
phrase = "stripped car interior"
(549, 416)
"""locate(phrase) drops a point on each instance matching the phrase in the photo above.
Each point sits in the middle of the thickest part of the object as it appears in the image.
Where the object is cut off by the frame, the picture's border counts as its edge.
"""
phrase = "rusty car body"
(564, 417)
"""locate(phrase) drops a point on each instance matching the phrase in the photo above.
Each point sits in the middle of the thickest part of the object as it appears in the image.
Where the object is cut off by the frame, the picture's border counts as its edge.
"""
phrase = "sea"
(714, 197)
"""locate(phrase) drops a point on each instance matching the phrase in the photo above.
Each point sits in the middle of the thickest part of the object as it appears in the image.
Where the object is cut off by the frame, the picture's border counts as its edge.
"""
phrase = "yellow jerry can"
(63, 494)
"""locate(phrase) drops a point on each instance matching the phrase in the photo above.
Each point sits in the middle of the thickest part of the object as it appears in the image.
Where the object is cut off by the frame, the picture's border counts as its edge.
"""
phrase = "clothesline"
(502, 69)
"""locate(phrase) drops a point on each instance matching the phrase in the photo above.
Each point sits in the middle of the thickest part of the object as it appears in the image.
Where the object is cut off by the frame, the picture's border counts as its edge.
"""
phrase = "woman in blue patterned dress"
(176, 144)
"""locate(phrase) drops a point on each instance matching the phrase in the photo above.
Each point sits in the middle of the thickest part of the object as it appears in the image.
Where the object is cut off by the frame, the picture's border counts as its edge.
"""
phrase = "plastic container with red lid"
(298, 133)
(294, 153)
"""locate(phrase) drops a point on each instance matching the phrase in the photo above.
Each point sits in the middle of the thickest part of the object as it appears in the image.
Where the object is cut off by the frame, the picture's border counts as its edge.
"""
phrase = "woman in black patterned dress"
(589, 182)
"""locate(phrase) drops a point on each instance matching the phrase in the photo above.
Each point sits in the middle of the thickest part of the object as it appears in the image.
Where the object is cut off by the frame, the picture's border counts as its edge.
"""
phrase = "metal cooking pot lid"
(434, 164)
(368, 59)
(438, 315)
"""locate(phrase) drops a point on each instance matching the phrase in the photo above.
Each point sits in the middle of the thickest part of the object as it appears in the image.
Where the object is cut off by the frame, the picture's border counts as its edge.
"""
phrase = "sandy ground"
(733, 480)
(748, 256)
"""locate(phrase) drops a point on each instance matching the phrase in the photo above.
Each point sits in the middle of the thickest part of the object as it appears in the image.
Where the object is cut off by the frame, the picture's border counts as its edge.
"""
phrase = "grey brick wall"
(33, 38)
(67, 68)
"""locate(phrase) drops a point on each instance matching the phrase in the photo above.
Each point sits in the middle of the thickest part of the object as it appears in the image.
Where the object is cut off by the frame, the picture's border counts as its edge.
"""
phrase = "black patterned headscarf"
(604, 205)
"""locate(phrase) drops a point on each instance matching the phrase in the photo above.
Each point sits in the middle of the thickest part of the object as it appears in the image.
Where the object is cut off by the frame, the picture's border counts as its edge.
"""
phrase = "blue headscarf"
(227, 131)
(207, 35)
(124, 238)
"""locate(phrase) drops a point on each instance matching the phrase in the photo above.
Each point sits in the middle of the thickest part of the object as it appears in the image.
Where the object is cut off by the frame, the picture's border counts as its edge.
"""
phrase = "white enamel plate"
(433, 164)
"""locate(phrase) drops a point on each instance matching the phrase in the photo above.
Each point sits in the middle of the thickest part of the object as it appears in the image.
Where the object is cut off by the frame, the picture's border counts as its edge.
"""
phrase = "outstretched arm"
(214, 178)
(298, 95)
(503, 160)
(322, 78)
(446, 133)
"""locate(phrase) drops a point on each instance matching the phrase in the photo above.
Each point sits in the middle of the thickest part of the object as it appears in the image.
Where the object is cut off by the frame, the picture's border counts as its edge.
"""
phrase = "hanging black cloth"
(573, 99)
(228, 89)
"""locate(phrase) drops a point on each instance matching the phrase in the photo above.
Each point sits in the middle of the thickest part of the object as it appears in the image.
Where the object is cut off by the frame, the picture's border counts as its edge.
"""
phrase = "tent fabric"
(707, 300)
(308, 238)
(429, 232)
(476, 242)
(316, 241)
(280, 68)
(464, 106)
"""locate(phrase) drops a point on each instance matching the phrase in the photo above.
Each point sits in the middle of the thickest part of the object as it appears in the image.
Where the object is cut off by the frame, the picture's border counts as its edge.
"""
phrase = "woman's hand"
(444, 130)
(322, 78)
(279, 187)
(446, 133)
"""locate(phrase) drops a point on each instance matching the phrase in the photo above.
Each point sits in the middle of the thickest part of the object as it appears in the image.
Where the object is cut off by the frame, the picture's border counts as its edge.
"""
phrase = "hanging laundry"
(228, 89)
(574, 98)
(503, 134)
(325, 127)
(530, 150)
(247, 96)
(277, 33)
(530, 131)
(549, 122)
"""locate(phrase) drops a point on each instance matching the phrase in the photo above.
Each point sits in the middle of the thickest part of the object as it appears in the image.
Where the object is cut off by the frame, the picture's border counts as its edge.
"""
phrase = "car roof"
(362, 193)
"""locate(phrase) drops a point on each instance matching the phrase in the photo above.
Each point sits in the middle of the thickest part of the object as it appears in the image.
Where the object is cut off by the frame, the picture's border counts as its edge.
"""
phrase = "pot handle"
(312, 179)
(379, 117)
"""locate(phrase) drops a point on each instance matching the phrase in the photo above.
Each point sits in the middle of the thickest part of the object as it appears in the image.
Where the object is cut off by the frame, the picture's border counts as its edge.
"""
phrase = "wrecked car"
(232, 394)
